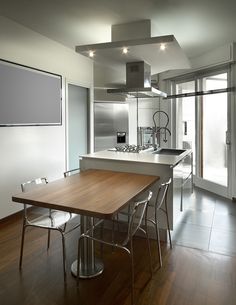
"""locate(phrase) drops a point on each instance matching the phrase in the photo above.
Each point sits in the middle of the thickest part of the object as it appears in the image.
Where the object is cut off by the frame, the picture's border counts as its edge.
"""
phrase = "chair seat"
(57, 219)
(50, 220)
(120, 239)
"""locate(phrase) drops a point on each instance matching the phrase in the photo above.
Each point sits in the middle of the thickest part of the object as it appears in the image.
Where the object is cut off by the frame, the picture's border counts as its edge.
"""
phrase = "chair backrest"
(30, 185)
(136, 217)
(162, 194)
(71, 172)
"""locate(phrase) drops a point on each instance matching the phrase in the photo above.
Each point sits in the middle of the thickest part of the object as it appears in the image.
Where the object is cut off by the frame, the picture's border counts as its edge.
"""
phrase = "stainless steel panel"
(109, 118)
(138, 74)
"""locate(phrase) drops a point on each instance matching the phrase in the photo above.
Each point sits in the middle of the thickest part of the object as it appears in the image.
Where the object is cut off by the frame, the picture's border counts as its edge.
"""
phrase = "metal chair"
(161, 199)
(71, 172)
(49, 220)
(137, 215)
(68, 174)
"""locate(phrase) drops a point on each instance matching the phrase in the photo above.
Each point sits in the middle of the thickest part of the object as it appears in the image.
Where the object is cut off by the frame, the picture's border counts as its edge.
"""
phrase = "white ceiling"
(198, 25)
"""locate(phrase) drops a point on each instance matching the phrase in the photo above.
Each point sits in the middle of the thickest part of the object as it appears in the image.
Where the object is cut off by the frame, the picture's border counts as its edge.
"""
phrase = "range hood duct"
(138, 82)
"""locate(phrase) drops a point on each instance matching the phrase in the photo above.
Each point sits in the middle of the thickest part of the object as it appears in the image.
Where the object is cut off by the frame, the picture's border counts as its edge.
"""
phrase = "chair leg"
(101, 237)
(168, 225)
(149, 252)
(158, 242)
(64, 255)
(132, 270)
(148, 241)
(128, 212)
(49, 235)
(22, 245)
(78, 259)
(181, 196)
(118, 225)
(113, 234)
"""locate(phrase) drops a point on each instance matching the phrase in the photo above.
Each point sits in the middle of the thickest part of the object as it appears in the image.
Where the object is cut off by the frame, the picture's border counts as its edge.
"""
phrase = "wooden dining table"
(92, 194)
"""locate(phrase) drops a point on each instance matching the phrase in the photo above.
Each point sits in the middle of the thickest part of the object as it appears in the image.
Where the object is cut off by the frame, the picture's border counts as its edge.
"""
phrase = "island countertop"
(142, 157)
(166, 166)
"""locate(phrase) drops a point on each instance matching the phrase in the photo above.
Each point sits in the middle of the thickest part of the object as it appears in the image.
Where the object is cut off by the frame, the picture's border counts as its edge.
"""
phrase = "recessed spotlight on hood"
(162, 46)
(125, 50)
(91, 53)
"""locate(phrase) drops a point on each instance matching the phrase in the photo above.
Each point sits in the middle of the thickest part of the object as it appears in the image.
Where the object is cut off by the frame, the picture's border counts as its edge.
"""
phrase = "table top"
(97, 193)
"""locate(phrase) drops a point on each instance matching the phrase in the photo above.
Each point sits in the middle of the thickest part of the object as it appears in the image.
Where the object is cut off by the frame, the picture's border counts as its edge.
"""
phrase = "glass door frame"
(198, 79)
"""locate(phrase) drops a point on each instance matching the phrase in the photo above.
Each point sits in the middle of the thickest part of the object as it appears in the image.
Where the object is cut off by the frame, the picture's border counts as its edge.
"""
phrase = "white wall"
(233, 125)
(29, 152)
(217, 56)
(221, 55)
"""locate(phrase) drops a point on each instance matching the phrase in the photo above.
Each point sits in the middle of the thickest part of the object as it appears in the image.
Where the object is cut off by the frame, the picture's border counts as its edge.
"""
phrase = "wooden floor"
(188, 276)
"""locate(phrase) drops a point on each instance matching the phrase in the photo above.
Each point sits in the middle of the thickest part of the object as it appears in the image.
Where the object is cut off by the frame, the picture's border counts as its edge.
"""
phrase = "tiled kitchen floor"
(208, 222)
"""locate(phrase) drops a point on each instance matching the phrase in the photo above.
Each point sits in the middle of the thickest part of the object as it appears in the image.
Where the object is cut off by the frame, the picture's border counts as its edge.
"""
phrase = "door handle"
(185, 128)
(227, 137)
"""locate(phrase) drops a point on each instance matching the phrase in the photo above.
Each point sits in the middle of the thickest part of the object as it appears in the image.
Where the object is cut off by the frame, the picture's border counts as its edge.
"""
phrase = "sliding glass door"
(214, 126)
(202, 122)
(186, 133)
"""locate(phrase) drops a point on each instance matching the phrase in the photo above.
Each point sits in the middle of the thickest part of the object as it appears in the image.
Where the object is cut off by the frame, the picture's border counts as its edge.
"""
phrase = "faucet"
(157, 130)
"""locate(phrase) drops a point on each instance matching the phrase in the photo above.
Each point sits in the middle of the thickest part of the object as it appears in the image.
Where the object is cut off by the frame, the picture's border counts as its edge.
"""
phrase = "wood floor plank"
(188, 276)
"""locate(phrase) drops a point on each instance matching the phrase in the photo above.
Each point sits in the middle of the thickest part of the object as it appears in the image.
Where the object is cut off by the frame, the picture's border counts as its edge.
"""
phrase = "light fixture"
(125, 50)
(162, 46)
(91, 53)
(111, 54)
(124, 46)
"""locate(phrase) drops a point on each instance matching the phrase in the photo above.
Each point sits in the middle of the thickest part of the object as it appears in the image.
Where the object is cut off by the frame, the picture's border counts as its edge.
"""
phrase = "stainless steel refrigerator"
(111, 125)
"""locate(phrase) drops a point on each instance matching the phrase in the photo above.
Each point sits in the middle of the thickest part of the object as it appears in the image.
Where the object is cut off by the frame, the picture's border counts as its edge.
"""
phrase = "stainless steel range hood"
(138, 82)
(147, 92)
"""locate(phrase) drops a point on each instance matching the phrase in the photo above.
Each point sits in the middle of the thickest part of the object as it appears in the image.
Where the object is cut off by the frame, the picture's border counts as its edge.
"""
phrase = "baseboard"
(211, 187)
(11, 217)
(15, 216)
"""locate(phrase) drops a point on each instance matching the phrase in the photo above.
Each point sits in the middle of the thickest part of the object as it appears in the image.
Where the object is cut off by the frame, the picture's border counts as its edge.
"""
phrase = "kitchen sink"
(169, 151)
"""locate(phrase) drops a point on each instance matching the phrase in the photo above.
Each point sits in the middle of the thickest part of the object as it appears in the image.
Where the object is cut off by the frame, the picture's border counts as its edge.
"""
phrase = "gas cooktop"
(131, 148)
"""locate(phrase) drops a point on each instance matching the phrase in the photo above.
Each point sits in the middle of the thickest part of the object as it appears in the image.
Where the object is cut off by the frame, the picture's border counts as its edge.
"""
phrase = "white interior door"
(77, 124)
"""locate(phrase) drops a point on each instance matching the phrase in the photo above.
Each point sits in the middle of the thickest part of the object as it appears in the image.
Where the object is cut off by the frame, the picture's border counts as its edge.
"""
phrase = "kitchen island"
(146, 162)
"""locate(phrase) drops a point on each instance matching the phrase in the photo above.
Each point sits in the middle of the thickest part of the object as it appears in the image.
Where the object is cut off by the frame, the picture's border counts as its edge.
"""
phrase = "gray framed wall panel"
(29, 96)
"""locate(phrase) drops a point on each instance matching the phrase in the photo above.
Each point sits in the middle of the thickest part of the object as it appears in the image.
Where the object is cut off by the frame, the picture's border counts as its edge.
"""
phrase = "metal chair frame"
(71, 172)
(133, 227)
(33, 223)
(161, 199)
